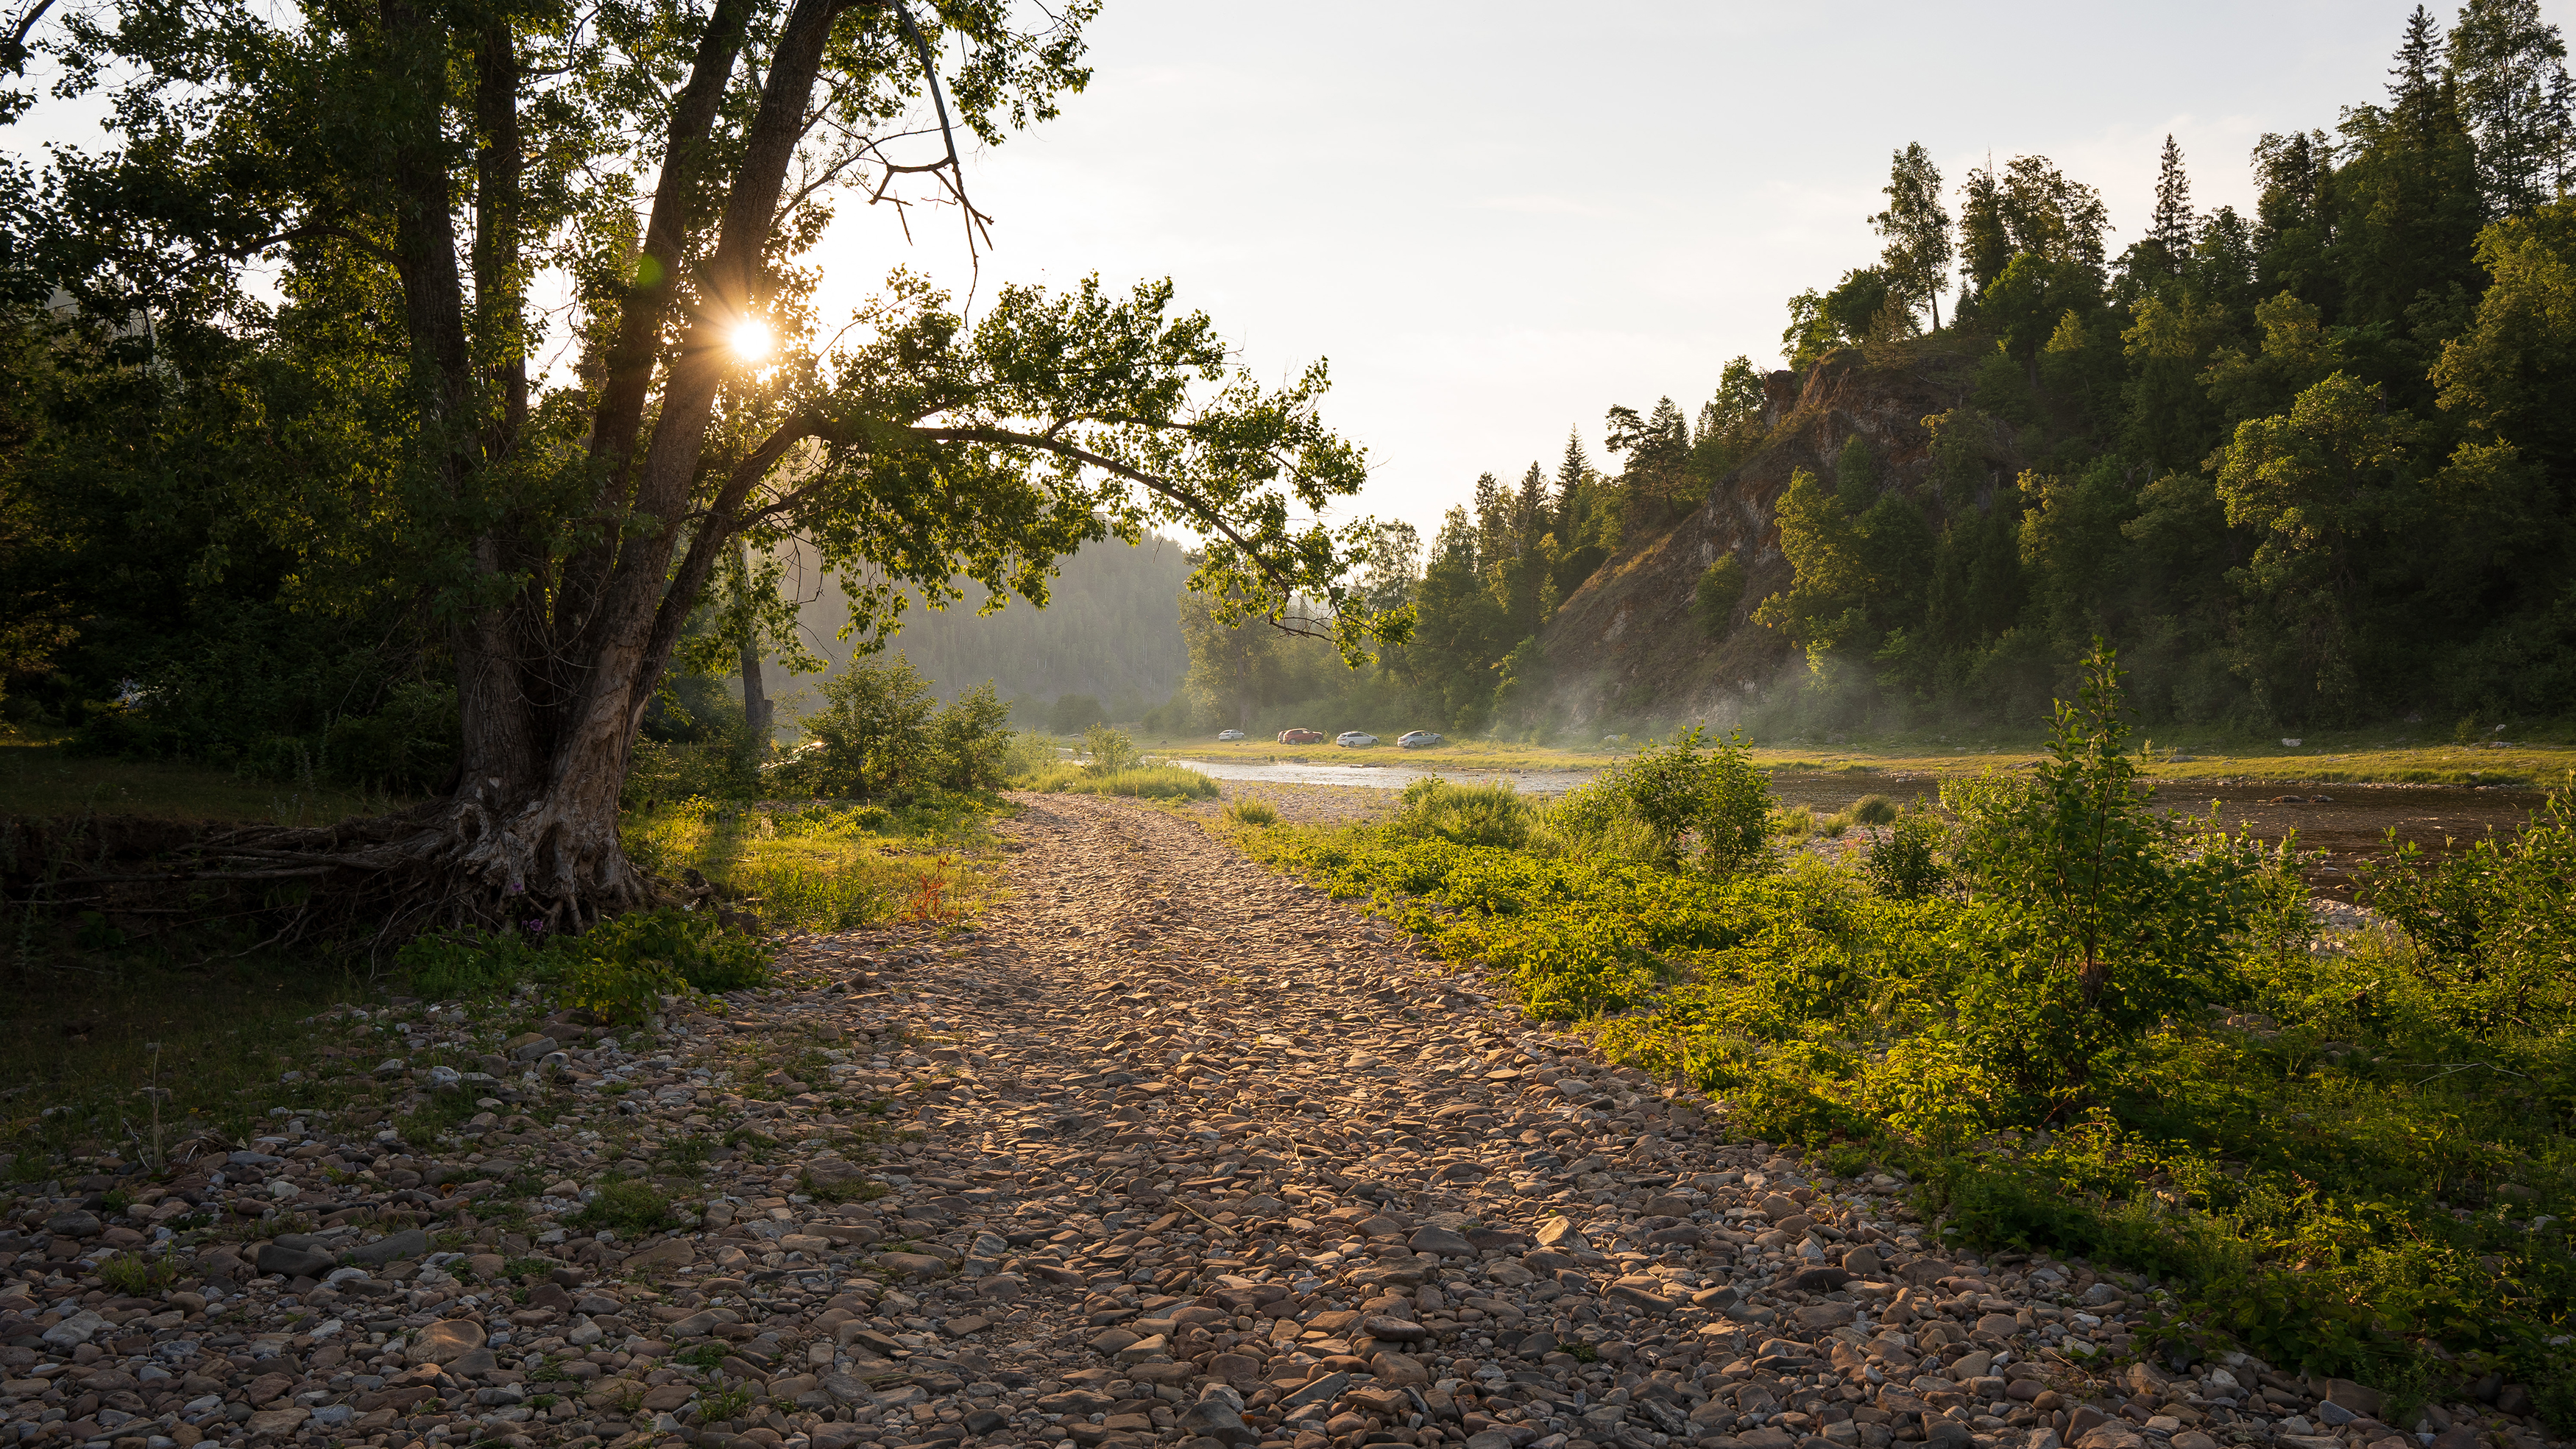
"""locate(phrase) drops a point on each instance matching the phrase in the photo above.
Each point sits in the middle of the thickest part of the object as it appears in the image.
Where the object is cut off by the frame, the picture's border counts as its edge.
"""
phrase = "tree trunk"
(755, 699)
(553, 683)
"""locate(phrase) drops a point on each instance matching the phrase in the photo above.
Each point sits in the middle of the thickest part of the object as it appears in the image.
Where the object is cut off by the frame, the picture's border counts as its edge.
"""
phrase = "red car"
(1300, 737)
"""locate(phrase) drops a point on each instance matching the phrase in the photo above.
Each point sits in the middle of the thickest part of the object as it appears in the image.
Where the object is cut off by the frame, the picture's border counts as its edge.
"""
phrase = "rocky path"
(1171, 1150)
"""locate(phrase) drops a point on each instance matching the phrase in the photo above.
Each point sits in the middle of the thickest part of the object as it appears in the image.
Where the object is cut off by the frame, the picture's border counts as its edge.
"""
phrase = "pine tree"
(2419, 59)
(2171, 230)
(2510, 66)
(1917, 256)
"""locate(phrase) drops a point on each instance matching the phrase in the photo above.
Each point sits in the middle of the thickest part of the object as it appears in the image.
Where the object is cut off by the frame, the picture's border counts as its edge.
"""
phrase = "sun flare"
(752, 340)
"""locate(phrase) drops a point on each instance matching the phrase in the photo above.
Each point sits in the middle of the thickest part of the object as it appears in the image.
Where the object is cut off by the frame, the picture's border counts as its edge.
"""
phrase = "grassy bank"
(2351, 1156)
(2356, 757)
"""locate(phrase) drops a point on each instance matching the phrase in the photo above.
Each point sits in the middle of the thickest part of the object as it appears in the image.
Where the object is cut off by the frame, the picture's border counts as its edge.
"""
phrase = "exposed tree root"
(451, 864)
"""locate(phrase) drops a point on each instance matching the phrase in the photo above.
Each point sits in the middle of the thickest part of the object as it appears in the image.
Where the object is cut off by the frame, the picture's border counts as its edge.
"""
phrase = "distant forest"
(1109, 631)
(2311, 466)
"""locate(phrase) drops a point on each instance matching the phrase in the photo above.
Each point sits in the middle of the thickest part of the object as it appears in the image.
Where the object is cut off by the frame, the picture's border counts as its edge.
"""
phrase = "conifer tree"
(2419, 58)
(2171, 228)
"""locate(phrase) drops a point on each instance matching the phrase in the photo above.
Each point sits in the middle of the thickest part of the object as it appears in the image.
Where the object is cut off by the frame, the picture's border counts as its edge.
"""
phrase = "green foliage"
(1673, 803)
(882, 733)
(1713, 599)
(2494, 922)
(2333, 1149)
(622, 967)
(1111, 751)
(706, 956)
(1071, 714)
(135, 1274)
(476, 964)
(1490, 814)
(2101, 915)
(628, 1206)
(1904, 862)
(1252, 812)
(1147, 782)
(843, 1189)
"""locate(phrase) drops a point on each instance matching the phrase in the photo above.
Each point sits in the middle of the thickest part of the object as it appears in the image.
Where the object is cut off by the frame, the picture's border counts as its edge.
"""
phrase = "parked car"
(1229, 734)
(1355, 739)
(1419, 740)
(1300, 737)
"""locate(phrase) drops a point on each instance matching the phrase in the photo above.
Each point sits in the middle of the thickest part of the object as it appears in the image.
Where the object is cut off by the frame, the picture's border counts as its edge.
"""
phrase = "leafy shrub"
(1490, 814)
(1905, 862)
(1252, 812)
(881, 732)
(623, 990)
(135, 1275)
(703, 953)
(1671, 804)
(1111, 752)
(1871, 810)
(1073, 713)
(1720, 589)
(473, 964)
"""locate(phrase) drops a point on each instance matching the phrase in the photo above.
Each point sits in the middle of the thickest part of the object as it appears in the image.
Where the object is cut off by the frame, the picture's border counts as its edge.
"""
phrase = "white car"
(1229, 734)
(1354, 739)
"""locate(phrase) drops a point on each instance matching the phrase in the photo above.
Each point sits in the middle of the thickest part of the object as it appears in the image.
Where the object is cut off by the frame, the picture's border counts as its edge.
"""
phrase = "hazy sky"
(1498, 219)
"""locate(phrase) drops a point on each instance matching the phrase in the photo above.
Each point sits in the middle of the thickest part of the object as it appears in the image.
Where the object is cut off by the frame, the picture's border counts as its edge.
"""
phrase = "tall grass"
(1143, 782)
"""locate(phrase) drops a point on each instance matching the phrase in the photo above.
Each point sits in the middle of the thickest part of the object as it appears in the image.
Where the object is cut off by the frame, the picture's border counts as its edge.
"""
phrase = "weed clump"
(626, 1206)
(1488, 815)
(1252, 812)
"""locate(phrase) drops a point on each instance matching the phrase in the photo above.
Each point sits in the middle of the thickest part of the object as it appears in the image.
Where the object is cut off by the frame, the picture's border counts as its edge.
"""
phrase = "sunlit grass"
(1146, 782)
(824, 867)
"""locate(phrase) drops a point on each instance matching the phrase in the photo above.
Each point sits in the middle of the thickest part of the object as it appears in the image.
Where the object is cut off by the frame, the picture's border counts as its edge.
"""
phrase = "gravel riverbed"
(1169, 1150)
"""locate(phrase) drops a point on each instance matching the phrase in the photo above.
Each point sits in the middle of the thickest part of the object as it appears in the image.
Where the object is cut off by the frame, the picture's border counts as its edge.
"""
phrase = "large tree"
(564, 257)
(1917, 228)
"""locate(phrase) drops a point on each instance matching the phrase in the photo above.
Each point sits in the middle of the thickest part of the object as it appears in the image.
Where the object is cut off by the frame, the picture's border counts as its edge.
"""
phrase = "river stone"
(409, 1243)
(446, 1341)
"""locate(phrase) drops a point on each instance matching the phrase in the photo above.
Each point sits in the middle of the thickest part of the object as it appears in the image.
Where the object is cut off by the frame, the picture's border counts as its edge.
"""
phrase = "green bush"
(621, 968)
(1871, 810)
(1905, 863)
(1720, 589)
(1491, 814)
(882, 733)
(701, 952)
(1111, 752)
(474, 964)
(1672, 803)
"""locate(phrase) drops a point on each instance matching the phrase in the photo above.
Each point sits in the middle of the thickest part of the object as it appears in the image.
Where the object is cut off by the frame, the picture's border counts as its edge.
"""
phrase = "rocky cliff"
(1627, 648)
